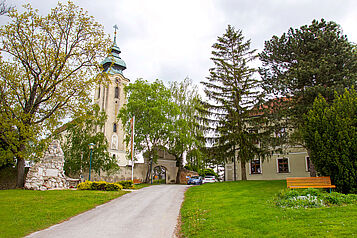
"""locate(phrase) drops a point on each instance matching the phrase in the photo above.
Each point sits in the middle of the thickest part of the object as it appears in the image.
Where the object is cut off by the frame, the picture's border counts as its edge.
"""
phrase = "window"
(116, 92)
(99, 92)
(280, 133)
(283, 165)
(113, 156)
(307, 163)
(114, 127)
(255, 167)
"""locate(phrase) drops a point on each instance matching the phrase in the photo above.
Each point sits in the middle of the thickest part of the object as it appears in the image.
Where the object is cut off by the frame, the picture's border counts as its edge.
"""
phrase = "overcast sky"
(170, 40)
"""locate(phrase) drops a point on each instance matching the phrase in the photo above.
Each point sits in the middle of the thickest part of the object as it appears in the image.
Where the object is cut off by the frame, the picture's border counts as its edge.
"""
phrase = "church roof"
(113, 64)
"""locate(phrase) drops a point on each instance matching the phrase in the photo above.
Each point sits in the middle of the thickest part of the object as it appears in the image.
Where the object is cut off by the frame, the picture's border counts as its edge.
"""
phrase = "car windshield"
(195, 177)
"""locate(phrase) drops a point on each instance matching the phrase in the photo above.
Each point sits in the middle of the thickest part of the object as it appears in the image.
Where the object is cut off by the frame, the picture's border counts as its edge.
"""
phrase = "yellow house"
(293, 163)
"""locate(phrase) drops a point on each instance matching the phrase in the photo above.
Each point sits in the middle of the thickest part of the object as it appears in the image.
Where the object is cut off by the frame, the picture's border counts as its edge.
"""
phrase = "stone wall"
(124, 173)
(48, 172)
(184, 173)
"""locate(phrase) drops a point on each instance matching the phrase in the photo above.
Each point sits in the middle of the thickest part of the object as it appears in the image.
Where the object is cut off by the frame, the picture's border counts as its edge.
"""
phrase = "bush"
(330, 132)
(339, 199)
(127, 184)
(99, 185)
(205, 172)
(113, 187)
(87, 185)
(159, 181)
(310, 198)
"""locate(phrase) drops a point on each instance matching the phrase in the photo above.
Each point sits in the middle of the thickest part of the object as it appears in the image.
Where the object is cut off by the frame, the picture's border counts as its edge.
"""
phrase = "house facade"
(294, 162)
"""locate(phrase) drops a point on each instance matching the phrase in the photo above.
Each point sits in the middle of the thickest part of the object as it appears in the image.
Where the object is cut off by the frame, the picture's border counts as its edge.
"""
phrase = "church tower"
(111, 98)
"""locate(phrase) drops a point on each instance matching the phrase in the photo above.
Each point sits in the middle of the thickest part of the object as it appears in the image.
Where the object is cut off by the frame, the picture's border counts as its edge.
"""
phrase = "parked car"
(209, 179)
(195, 180)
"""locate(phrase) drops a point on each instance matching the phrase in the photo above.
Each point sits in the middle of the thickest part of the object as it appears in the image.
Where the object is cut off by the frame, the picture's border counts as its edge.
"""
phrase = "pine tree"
(233, 96)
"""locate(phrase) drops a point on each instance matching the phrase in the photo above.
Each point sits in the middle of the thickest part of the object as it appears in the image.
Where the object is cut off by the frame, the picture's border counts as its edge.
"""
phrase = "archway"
(159, 174)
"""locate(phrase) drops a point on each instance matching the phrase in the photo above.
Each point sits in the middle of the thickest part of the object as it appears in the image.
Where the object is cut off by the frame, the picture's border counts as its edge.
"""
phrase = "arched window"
(116, 92)
(114, 127)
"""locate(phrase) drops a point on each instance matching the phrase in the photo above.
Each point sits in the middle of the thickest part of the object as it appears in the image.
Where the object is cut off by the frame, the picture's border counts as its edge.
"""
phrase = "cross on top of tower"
(115, 33)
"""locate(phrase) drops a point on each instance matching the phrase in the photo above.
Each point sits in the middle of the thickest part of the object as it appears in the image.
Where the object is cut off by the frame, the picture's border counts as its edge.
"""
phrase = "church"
(111, 98)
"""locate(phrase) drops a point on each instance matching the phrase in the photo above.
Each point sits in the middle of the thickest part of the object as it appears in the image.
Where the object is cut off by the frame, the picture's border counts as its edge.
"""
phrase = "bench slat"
(309, 182)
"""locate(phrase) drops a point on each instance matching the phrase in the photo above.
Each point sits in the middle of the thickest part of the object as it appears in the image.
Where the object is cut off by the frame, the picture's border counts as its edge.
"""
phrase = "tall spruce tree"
(233, 96)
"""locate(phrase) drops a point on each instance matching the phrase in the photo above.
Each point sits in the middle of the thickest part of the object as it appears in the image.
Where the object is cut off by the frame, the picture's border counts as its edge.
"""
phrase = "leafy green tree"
(78, 134)
(5, 8)
(154, 111)
(305, 62)
(46, 73)
(232, 93)
(187, 134)
(330, 132)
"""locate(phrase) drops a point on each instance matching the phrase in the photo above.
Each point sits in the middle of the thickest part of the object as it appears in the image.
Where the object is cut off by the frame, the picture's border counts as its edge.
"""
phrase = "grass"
(25, 211)
(245, 209)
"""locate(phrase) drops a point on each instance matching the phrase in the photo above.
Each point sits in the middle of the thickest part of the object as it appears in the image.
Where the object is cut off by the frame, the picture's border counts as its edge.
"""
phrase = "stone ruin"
(48, 172)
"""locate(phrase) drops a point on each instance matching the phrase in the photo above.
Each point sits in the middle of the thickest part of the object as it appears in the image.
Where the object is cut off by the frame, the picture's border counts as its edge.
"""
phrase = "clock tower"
(111, 97)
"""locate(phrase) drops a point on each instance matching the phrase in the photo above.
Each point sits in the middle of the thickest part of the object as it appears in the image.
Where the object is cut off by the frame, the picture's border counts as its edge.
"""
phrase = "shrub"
(205, 172)
(87, 185)
(159, 181)
(310, 198)
(127, 184)
(330, 132)
(113, 187)
(99, 185)
(339, 199)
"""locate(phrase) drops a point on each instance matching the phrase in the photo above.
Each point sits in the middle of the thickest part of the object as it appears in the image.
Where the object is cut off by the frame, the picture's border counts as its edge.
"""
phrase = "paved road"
(148, 212)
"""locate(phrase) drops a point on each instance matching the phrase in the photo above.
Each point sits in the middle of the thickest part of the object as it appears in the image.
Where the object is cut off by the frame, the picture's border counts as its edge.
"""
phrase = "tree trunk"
(178, 176)
(147, 179)
(312, 167)
(180, 166)
(20, 167)
(243, 171)
(20, 173)
(234, 169)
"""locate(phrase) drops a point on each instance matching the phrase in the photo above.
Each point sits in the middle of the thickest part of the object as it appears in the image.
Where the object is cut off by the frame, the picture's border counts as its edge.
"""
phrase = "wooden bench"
(310, 182)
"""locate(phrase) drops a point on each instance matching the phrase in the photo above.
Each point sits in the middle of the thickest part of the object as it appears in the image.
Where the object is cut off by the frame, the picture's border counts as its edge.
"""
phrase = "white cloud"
(170, 40)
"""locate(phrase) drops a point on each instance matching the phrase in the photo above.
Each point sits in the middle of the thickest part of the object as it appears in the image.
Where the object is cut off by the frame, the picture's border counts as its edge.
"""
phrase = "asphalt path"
(147, 212)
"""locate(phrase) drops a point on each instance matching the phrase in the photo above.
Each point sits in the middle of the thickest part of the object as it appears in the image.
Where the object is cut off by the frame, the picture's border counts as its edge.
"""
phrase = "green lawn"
(244, 209)
(25, 211)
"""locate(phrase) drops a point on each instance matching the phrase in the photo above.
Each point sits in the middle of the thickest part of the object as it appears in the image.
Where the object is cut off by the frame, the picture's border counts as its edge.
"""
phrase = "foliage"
(46, 72)
(312, 198)
(78, 134)
(232, 91)
(205, 172)
(244, 209)
(303, 63)
(99, 185)
(126, 184)
(187, 134)
(4, 8)
(154, 111)
(330, 133)
(159, 181)
(87, 185)
(37, 210)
